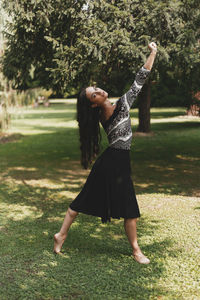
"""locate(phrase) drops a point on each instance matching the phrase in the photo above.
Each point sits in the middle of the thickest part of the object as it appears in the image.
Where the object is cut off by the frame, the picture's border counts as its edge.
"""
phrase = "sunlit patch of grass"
(55, 219)
(18, 212)
(33, 121)
(23, 169)
(158, 167)
(177, 119)
(184, 157)
(43, 183)
(67, 194)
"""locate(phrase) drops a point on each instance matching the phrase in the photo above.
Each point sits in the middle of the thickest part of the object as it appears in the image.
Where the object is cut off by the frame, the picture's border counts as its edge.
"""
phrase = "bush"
(15, 99)
(168, 93)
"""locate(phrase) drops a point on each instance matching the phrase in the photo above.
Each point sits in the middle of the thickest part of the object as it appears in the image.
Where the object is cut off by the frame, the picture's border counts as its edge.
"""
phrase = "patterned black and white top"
(118, 126)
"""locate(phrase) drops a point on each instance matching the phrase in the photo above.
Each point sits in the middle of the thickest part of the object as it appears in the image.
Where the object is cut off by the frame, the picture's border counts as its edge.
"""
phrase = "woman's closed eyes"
(94, 95)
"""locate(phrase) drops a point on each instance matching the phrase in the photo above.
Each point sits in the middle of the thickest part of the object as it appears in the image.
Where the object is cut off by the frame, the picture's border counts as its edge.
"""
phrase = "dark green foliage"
(66, 45)
(169, 91)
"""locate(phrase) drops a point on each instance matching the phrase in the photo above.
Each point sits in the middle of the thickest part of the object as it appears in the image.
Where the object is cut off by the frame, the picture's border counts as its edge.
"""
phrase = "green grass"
(40, 176)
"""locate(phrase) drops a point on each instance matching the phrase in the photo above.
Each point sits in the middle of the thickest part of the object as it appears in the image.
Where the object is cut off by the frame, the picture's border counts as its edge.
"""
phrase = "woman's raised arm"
(141, 76)
(150, 60)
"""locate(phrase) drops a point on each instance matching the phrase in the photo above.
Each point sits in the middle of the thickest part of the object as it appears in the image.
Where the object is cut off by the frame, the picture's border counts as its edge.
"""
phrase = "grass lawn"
(41, 174)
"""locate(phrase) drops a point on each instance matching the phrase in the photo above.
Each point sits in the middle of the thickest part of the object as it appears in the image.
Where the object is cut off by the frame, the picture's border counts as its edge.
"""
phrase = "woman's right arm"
(150, 60)
(141, 76)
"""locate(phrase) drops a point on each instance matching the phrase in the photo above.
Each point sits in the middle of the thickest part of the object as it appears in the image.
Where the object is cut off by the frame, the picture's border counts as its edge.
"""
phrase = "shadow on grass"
(180, 178)
(166, 167)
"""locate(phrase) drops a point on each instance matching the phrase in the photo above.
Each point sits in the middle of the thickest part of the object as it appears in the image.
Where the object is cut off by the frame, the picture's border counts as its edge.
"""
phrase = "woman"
(108, 191)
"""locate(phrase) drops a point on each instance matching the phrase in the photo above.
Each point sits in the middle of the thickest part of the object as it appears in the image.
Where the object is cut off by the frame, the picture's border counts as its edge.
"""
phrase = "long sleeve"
(137, 85)
(118, 126)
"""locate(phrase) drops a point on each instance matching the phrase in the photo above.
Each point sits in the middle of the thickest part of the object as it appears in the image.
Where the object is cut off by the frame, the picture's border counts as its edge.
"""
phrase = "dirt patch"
(8, 138)
(149, 134)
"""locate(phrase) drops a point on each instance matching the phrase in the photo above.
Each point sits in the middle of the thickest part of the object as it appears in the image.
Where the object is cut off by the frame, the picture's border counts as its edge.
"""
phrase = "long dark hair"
(89, 129)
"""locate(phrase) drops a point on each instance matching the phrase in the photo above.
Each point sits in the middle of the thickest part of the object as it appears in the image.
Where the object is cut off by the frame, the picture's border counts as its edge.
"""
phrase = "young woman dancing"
(108, 191)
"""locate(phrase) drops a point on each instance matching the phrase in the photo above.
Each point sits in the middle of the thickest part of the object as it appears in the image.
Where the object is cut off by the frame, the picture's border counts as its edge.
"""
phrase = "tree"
(39, 34)
(65, 44)
(4, 114)
(62, 43)
(175, 25)
(188, 61)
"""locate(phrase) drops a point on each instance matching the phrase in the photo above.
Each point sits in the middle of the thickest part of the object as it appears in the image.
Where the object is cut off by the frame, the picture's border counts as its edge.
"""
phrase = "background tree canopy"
(66, 44)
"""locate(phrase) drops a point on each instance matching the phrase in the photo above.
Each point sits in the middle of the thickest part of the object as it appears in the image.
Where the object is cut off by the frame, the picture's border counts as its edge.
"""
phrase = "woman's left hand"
(153, 47)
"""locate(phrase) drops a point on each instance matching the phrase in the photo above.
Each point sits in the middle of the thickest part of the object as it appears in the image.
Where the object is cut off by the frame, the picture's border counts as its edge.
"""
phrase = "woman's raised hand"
(153, 47)
(150, 60)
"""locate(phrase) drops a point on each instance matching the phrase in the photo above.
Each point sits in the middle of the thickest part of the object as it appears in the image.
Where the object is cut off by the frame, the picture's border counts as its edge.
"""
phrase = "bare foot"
(58, 242)
(140, 257)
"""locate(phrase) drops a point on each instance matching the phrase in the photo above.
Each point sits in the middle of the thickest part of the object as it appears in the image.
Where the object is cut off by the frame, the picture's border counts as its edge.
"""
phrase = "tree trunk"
(193, 110)
(144, 108)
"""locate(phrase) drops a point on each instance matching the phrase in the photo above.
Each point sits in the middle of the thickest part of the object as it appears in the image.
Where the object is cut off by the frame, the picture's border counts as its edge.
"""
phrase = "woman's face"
(96, 95)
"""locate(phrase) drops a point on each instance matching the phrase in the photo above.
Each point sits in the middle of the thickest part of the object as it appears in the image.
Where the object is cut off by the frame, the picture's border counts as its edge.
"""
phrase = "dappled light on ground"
(177, 119)
(189, 158)
(18, 212)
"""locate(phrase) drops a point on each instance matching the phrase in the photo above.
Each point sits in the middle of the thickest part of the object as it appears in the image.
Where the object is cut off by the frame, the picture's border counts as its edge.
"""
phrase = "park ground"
(41, 174)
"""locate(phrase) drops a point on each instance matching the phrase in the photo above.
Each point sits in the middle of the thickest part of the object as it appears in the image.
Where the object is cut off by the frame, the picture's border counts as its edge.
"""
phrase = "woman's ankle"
(62, 234)
(136, 250)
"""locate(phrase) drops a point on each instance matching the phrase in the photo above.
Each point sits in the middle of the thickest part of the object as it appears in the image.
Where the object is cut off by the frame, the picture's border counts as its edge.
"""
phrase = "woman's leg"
(60, 237)
(131, 232)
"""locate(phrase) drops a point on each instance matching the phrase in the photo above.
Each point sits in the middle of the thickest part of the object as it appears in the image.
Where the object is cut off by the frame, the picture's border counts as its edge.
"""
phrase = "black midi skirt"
(109, 191)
